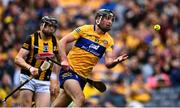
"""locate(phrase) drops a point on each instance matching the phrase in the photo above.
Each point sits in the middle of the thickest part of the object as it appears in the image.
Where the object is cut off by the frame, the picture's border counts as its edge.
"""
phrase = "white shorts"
(35, 85)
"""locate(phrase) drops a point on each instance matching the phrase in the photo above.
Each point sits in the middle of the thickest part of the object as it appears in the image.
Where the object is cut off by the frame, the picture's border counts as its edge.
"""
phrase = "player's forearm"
(22, 63)
(55, 69)
(111, 64)
(54, 73)
(62, 49)
(54, 76)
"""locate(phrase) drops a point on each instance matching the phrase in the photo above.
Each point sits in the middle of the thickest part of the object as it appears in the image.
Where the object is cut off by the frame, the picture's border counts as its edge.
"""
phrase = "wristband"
(53, 76)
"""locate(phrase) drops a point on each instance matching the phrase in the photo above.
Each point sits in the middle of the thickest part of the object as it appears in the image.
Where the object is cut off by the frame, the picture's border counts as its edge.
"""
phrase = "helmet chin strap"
(101, 28)
(43, 25)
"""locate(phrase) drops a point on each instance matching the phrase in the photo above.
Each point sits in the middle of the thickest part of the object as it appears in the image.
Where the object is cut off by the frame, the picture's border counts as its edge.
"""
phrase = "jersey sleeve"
(110, 46)
(79, 31)
(27, 44)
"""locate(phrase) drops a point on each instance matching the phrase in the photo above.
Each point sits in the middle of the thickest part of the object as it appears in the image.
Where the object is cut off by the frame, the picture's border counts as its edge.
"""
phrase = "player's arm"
(54, 84)
(22, 54)
(74, 35)
(110, 62)
(55, 69)
(62, 50)
(63, 43)
(19, 60)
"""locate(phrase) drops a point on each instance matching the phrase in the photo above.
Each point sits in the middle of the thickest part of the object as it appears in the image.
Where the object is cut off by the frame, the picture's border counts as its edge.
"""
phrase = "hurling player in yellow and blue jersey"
(92, 42)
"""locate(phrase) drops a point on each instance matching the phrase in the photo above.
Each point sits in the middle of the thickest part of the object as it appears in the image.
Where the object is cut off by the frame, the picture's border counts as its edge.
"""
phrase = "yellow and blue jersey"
(88, 49)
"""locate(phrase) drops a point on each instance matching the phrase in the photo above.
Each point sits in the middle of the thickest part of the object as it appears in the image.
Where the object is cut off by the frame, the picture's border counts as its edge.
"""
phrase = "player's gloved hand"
(34, 71)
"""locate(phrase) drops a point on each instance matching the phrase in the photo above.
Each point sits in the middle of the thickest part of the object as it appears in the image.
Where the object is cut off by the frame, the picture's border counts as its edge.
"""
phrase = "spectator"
(139, 90)
(158, 79)
(113, 97)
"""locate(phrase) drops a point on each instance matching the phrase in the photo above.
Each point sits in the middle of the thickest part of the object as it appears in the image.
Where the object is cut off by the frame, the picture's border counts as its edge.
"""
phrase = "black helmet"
(104, 12)
(50, 20)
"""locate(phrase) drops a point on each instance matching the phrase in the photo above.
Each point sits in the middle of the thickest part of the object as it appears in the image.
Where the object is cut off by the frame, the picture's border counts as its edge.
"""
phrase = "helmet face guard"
(109, 16)
(50, 20)
(105, 13)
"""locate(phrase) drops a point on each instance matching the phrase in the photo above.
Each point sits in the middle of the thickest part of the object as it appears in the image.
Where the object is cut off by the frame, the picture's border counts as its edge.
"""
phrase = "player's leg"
(26, 98)
(26, 92)
(42, 93)
(73, 86)
(73, 89)
(53, 97)
(62, 100)
(42, 99)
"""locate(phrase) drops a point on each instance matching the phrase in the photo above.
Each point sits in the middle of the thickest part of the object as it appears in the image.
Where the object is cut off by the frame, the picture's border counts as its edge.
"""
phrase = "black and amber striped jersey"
(39, 49)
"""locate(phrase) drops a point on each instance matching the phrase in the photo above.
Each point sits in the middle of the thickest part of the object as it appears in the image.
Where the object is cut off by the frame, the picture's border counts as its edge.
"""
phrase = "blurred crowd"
(154, 56)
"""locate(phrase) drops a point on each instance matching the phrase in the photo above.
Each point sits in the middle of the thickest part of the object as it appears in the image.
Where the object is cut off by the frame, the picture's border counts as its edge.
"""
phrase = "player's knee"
(80, 100)
(25, 103)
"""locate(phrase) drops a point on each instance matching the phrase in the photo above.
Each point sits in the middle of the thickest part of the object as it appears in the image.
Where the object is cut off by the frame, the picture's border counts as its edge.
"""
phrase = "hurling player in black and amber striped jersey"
(31, 56)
